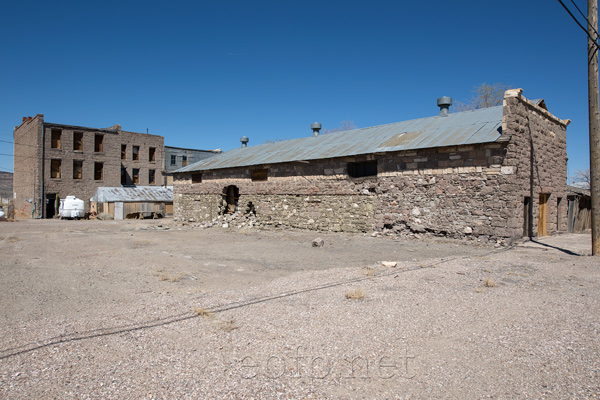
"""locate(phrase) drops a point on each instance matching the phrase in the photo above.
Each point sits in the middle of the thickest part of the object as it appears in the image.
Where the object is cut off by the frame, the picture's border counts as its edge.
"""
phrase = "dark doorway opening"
(232, 195)
(51, 205)
(527, 210)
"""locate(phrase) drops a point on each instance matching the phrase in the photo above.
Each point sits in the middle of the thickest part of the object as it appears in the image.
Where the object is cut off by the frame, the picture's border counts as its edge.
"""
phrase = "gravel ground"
(131, 309)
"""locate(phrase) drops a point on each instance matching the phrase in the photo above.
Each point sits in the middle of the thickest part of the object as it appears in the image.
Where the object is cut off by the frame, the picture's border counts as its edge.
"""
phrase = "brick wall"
(27, 167)
(474, 190)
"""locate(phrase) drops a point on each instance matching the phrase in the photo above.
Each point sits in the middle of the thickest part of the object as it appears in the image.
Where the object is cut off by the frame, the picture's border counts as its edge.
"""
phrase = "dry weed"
(355, 294)
(203, 312)
(228, 325)
(370, 271)
(487, 282)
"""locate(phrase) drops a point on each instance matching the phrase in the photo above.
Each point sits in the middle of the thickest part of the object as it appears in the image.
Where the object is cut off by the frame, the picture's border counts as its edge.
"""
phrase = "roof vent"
(244, 141)
(444, 104)
(316, 127)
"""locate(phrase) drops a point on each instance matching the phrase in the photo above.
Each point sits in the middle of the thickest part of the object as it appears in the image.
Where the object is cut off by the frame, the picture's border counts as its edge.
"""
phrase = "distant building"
(494, 174)
(6, 185)
(52, 161)
(178, 157)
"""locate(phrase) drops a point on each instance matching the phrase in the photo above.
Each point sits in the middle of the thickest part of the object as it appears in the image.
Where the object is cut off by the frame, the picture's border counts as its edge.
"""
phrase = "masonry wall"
(474, 190)
(27, 167)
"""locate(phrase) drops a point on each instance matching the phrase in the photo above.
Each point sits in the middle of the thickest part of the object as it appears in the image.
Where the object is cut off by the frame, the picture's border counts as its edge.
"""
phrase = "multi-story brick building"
(495, 174)
(52, 161)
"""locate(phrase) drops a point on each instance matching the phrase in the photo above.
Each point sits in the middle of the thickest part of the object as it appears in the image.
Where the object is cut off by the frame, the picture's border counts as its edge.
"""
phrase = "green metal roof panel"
(468, 127)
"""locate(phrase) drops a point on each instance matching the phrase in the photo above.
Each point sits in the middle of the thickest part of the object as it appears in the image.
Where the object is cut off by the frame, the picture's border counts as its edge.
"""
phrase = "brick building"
(52, 161)
(495, 174)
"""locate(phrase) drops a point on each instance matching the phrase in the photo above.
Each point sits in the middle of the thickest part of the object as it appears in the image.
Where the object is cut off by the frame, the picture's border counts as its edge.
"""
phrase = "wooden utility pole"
(593, 96)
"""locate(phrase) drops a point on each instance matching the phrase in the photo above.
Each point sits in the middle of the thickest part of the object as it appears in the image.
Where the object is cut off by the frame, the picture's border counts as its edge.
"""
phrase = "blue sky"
(202, 73)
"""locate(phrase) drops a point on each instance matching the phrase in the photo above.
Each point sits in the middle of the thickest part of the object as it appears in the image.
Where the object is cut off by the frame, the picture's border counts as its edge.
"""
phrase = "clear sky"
(203, 73)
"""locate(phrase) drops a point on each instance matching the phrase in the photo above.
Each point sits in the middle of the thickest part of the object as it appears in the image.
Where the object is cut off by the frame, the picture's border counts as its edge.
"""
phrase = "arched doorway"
(232, 194)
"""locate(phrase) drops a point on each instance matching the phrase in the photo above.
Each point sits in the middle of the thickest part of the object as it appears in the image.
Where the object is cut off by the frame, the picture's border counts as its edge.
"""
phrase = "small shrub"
(487, 282)
(202, 312)
(355, 294)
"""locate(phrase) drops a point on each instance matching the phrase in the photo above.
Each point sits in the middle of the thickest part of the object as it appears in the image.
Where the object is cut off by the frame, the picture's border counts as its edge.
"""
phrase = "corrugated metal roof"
(468, 127)
(134, 194)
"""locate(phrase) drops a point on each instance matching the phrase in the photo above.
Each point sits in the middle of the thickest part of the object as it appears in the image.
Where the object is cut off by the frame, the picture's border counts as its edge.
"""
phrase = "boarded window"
(136, 153)
(55, 139)
(197, 177)
(123, 152)
(77, 169)
(259, 174)
(152, 154)
(55, 169)
(78, 141)
(173, 159)
(123, 175)
(136, 176)
(99, 143)
(364, 168)
(98, 171)
(151, 177)
(184, 160)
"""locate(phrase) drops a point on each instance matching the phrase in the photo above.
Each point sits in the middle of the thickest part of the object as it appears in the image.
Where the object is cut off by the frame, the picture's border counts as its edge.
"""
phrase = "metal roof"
(468, 127)
(134, 194)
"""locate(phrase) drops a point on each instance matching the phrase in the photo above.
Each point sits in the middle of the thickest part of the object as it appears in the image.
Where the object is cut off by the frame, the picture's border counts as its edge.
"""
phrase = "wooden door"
(542, 221)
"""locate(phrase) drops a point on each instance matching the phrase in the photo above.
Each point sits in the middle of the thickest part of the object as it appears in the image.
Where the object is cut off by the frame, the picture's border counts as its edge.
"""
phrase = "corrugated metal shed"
(134, 194)
(468, 127)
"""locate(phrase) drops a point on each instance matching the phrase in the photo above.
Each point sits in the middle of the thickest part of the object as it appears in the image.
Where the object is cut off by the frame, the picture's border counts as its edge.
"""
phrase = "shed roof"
(134, 194)
(467, 127)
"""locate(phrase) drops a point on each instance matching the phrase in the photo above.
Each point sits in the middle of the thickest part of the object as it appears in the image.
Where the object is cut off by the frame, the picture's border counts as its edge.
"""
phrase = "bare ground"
(130, 309)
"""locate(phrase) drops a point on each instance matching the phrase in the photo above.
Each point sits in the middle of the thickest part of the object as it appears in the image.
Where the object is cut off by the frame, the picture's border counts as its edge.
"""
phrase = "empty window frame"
(173, 159)
(99, 143)
(55, 169)
(259, 175)
(55, 138)
(197, 177)
(152, 154)
(136, 153)
(98, 171)
(123, 152)
(123, 175)
(77, 169)
(78, 141)
(151, 177)
(363, 168)
(183, 161)
(136, 176)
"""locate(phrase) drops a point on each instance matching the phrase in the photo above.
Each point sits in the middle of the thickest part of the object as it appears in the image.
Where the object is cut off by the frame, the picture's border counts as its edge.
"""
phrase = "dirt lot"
(146, 309)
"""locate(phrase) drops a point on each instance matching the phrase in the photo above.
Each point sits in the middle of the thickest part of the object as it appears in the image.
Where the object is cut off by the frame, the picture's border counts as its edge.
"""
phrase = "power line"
(595, 41)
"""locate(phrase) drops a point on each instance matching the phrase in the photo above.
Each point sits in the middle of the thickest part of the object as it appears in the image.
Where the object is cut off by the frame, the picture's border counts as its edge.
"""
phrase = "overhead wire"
(595, 41)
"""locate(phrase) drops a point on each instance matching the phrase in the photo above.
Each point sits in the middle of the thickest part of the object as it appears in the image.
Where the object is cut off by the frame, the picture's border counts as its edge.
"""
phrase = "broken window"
(136, 176)
(173, 159)
(260, 174)
(136, 153)
(183, 161)
(197, 177)
(361, 169)
(55, 138)
(123, 175)
(123, 152)
(78, 141)
(98, 171)
(77, 169)
(55, 169)
(99, 143)
(151, 177)
(152, 154)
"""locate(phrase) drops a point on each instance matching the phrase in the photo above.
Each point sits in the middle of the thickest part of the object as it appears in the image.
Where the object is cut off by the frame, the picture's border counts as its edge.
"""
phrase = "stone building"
(52, 161)
(496, 174)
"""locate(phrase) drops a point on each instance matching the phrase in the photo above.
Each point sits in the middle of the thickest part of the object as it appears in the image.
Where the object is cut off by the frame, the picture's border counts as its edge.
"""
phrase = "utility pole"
(593, 96)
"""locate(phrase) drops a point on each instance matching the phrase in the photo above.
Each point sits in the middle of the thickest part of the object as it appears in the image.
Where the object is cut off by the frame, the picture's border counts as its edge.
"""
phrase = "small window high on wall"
(55, 140)
(361, 169)
(260, 175)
